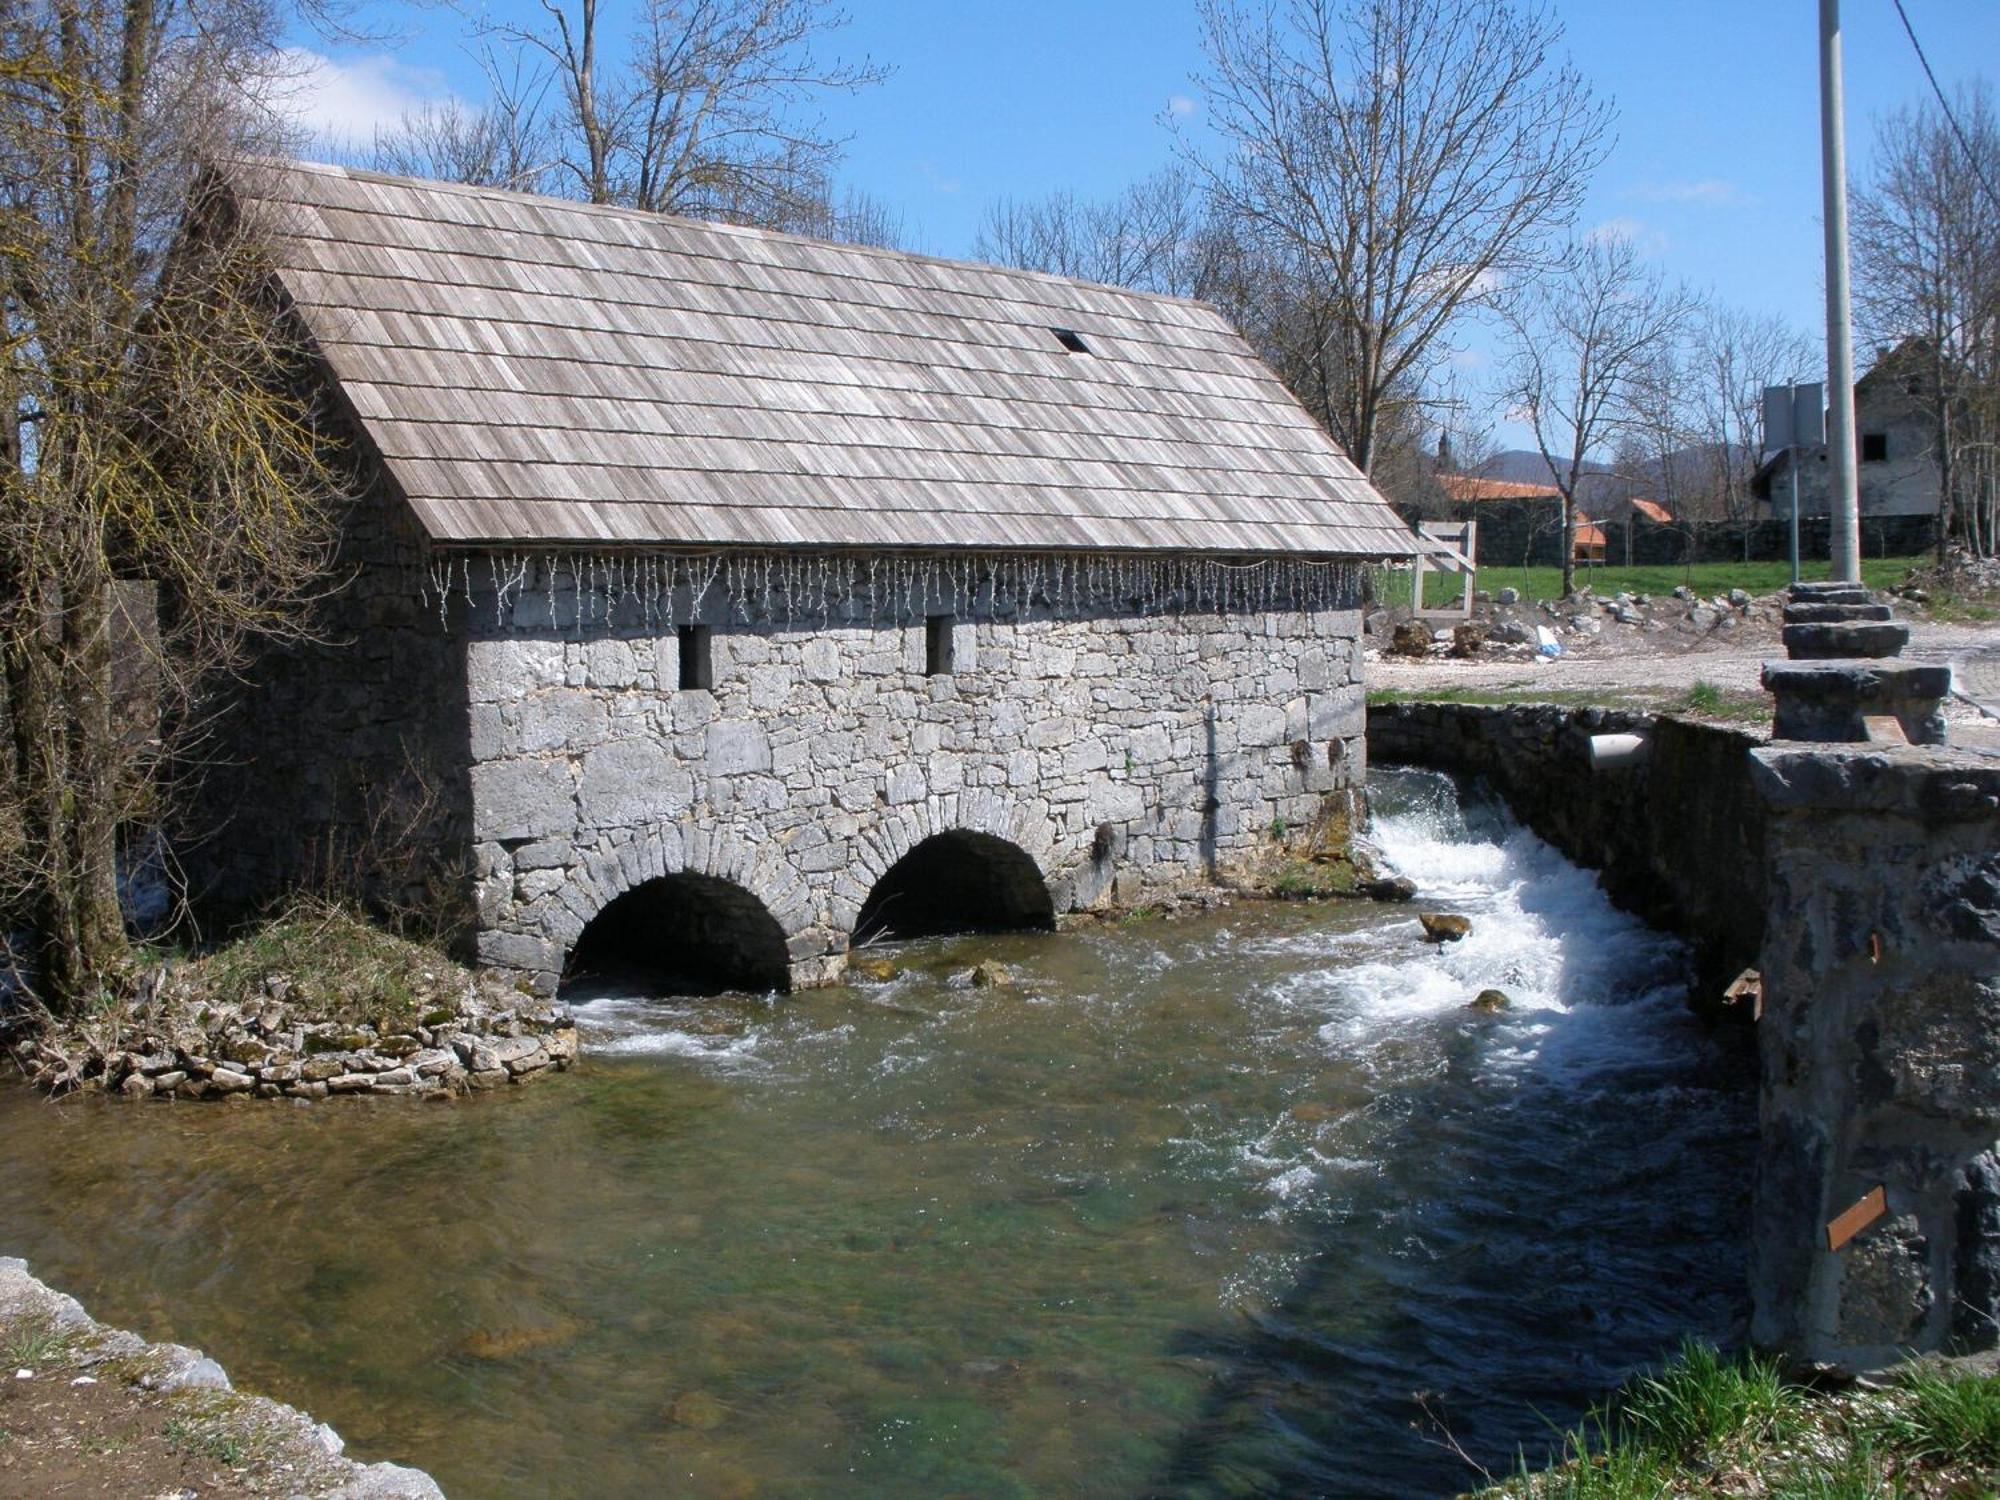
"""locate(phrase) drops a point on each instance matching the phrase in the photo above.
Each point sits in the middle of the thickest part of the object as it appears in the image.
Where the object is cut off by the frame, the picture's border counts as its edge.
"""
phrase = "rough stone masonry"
(1128, 732)
(1880, 1042)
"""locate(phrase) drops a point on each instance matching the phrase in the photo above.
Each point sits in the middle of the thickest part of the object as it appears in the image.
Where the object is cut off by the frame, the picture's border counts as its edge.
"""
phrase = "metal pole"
(1843, 496)
(1797, 454)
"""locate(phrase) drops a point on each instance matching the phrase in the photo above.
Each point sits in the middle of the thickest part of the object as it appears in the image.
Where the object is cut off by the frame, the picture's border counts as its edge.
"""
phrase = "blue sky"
(1715, 172)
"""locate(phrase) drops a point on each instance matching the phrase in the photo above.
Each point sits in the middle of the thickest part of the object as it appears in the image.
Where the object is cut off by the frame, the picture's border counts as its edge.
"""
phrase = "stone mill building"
(718, 598)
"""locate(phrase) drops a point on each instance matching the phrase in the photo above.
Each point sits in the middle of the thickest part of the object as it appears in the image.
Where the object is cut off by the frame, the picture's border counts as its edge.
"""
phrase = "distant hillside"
(1684, 471)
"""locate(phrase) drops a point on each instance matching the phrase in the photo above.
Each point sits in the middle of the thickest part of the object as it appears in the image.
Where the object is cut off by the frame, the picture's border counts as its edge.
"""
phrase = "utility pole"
(1843, 495)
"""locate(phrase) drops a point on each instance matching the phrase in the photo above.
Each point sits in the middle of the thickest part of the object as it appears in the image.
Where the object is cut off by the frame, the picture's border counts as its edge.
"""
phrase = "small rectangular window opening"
(937, 644)
(697, 662)
(1071, 340)
(1874, 447)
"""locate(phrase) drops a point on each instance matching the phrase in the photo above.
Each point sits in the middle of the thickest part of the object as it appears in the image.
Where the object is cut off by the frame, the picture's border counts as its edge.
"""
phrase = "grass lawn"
(1702, 701)
(1706, 579)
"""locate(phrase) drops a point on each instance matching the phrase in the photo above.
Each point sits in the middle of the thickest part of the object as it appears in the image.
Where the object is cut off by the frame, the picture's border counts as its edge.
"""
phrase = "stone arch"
(684, 932)
(700, 862)
(960, 880)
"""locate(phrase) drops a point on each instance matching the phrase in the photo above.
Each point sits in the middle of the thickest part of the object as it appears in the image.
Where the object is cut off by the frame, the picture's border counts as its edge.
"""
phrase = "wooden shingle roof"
(534, 370)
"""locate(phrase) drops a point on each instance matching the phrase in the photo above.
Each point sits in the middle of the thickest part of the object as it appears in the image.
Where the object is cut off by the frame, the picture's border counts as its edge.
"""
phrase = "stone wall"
(1677, 839)
(339, 762)
(1881, 1051)
(1129, 726)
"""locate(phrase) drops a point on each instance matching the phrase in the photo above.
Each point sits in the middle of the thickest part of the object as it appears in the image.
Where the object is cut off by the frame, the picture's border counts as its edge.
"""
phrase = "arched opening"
(957, 882)
(682, 934)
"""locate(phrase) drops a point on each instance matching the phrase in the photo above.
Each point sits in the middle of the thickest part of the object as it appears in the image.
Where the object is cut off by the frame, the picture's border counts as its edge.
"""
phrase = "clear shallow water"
(1212, 1207)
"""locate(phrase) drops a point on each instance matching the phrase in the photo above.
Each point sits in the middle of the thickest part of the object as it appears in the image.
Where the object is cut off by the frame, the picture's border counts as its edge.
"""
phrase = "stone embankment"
(1677, 836)
(1881, 1043)
(96, 1409)
(267, 1051)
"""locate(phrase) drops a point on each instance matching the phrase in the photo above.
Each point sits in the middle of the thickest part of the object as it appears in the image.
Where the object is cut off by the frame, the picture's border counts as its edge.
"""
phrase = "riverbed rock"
(1490, 1001)
(1390, 888)
(508, 1343)
(695, 1410)
(1444, 927)
(881, 970)
(518, 1053)
(229, 1081)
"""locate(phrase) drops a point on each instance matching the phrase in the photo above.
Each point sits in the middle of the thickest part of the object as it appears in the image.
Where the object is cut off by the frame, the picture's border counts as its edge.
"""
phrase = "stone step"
(1815, 613)
(1821, 588)
(1828, 702)
(1871, 639)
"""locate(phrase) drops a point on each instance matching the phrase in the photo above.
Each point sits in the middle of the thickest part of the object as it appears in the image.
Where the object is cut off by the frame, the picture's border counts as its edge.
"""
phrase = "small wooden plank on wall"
(1884, 729)
(1872, 1205)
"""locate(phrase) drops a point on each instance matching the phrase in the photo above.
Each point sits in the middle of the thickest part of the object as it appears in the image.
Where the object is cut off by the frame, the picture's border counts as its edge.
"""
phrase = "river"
(1241, 1204)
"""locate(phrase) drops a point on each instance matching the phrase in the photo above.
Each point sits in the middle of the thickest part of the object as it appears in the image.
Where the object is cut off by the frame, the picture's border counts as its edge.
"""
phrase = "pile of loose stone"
(264, 1049)
(1503, 624)
(1841, 683)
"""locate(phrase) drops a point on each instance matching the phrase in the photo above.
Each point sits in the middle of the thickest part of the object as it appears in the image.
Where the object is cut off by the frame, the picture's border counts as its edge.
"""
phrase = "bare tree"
(1155, 235)
(1927, 266)
(504, 143)
(1409, 156)
(152, 429)
(1584, 344)
(1731, 356)
(712, 114)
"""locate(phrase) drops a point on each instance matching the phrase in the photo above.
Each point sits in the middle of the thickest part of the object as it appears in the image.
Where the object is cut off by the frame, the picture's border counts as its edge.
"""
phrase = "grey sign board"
(1794, 416)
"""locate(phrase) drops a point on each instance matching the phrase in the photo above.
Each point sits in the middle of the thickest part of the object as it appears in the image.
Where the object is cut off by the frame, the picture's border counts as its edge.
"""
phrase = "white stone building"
(718, 596)
(1895, 449)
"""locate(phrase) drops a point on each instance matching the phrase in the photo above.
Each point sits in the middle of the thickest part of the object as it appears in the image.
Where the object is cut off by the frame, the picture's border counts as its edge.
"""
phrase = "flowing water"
(1242, 1204)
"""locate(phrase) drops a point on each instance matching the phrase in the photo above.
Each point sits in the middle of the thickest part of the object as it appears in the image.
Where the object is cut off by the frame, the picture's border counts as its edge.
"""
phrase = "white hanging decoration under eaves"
(581, 591)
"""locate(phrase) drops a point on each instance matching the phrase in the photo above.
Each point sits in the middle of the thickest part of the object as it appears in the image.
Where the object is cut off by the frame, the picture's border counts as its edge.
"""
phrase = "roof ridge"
(722, 226)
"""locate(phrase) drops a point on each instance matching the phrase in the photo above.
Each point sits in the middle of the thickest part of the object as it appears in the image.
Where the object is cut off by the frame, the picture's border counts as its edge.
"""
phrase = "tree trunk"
(1945, 475)
(98, 933)
(1568, 544)
(58, 675)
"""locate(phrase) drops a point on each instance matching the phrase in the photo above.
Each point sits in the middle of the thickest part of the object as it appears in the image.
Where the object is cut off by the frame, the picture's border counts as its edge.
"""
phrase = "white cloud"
(1180, 105)
(349, 100)
(1710, 191)
(1623, 229)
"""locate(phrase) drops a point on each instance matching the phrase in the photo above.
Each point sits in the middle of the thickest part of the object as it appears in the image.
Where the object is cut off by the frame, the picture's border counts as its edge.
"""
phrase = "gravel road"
(1734, 664)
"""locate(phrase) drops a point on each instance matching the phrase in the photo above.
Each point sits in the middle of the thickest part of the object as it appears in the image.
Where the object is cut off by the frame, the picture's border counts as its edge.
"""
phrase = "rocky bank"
(90, 1409)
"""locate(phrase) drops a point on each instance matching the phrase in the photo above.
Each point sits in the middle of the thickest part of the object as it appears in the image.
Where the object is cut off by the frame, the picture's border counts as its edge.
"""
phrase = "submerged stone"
(1490, 1001)
(1444, 927)
(696, 1410)
(1390, 888)
(507, 1343)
